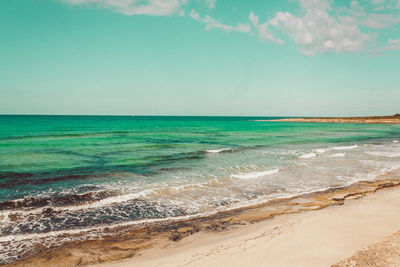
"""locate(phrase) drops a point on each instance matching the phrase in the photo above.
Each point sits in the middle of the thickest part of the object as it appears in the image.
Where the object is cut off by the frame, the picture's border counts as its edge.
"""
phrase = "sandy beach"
(363, 229)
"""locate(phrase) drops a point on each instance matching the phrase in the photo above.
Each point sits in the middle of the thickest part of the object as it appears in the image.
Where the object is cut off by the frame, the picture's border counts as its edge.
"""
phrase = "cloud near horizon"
(215, 24)
(316, 28)
(135, 7)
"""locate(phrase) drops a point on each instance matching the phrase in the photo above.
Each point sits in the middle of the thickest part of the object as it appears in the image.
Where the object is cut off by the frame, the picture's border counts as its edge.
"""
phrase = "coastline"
(395, 119)
(133, 242)
(336, 236)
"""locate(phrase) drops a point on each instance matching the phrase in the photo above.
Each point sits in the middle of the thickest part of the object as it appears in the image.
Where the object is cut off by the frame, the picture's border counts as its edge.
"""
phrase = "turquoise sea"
(73, 174)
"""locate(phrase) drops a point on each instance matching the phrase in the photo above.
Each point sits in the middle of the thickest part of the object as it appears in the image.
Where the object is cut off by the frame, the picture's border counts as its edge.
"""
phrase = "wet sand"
(240, 235)
(395, 119)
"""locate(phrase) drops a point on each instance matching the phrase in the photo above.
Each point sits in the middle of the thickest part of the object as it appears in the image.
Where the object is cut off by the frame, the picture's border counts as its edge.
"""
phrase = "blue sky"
(200, 57)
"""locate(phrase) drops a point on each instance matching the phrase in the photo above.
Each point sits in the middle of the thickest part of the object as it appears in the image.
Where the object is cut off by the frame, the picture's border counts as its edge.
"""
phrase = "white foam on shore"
(385, 154)
(321, 150)
(344, 147)
(395, 141)
(32, 236)
(19, 237)
(338, 155)
(218, 150)
(253, 175)
(308, 155)
(324, 150)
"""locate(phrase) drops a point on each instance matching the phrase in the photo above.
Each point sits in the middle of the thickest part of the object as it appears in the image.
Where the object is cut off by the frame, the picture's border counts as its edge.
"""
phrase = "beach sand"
(361, 232)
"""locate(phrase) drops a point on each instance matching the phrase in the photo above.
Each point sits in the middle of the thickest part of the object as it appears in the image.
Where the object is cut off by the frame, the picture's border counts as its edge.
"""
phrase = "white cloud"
(395, 42)
(391, 44)
(215, 24)
(263, 31)
(253, 19)
(135, 7)
(316, 27)
(357, 14)
(317, 32)
(211, 3)
(371, 20)
(377, 2)
(379, 21)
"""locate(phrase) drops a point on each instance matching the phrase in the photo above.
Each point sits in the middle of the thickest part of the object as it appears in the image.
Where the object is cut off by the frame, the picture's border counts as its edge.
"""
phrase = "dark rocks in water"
(49, 212)
(26, 202)
(222, 203)
(64, 200)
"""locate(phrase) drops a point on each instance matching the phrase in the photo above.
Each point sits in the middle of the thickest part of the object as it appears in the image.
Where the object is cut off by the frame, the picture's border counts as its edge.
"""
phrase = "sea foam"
(344, 147)
(308, 156)
(218, 150)
(338, 155)
(389, 154)
(253, 175)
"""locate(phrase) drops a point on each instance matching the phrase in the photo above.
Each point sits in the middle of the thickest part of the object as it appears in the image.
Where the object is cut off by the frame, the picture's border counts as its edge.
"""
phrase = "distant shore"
(395, 119)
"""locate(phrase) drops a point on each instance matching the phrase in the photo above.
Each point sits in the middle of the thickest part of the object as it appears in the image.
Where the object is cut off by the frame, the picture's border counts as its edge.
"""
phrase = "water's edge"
(125, 241)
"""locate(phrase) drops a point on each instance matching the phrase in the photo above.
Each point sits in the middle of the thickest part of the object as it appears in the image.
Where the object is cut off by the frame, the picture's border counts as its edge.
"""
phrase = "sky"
(200, 57)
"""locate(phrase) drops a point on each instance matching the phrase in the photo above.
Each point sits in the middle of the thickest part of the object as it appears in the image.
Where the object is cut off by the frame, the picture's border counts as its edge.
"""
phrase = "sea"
(66, 178)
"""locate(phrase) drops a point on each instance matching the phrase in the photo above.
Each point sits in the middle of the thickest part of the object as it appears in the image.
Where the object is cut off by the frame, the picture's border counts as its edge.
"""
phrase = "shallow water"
(61, 174)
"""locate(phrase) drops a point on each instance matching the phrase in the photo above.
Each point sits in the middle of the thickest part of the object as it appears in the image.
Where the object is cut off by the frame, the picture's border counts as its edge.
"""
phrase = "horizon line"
(142, 115)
